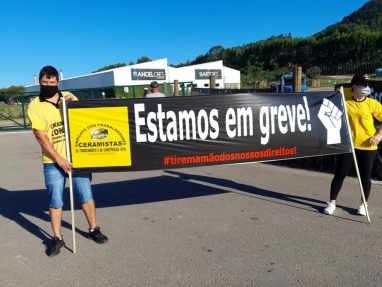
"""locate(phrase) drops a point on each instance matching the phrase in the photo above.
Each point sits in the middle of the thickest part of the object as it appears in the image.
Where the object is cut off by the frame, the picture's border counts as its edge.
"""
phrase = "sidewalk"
(234, 225)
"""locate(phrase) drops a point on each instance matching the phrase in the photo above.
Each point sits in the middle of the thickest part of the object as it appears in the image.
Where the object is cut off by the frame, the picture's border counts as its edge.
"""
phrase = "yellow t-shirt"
(361, 121)
(47, 117)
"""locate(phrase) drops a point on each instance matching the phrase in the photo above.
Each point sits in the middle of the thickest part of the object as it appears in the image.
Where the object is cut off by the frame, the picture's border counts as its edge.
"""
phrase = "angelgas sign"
(148, 74)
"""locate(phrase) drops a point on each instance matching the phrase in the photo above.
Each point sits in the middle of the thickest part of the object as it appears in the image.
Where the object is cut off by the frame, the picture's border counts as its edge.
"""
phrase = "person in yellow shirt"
(361, 113)
(45, 115)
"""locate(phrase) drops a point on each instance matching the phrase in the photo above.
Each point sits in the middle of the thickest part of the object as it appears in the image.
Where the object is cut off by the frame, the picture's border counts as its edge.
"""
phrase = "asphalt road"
(235, 225)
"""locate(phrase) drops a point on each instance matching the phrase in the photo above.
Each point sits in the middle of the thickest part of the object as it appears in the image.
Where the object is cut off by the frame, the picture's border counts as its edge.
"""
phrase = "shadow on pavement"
(310, 202)
(15, 204)
(175, 185)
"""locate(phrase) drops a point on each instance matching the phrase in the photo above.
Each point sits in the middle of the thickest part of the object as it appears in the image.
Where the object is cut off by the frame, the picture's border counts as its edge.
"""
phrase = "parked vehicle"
(286, 84)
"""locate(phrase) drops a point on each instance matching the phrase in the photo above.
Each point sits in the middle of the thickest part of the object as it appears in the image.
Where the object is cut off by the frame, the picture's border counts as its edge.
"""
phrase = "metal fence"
(370, 68)
(13, 111)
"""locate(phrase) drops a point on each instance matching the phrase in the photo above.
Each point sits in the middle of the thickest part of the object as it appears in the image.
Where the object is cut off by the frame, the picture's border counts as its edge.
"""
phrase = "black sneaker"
(97, 236)
(57, 243)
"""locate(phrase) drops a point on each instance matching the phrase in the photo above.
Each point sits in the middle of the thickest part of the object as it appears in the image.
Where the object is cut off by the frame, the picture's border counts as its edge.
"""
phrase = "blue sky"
(81, 36)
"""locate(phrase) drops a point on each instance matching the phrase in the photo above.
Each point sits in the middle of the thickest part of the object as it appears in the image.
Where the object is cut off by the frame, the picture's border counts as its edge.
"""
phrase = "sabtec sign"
(201, 74)
(148, 74)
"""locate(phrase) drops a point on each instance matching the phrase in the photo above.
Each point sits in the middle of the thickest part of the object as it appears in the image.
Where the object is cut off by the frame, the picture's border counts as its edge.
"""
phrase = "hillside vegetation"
(354, 42)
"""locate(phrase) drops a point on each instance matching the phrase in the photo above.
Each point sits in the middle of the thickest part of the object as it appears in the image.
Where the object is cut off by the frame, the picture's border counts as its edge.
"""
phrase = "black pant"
(365, 160)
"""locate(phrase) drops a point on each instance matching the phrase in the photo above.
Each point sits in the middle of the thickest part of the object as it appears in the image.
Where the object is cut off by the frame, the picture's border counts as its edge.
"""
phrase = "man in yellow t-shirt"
(45, 115)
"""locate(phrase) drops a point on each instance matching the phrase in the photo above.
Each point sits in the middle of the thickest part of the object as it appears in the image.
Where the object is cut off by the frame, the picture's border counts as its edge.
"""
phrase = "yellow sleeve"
(34, 116)
(64, 94)
(377, 110)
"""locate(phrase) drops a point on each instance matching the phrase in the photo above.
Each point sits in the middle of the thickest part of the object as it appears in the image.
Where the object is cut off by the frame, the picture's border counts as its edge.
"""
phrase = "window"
(206, 85)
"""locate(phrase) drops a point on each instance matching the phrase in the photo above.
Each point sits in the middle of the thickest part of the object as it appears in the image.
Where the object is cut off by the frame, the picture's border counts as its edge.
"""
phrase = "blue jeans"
(55, 179)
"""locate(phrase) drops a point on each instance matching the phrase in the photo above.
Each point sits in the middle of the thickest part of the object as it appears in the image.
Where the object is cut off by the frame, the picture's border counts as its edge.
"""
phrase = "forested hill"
(368, 18)
(355, 40)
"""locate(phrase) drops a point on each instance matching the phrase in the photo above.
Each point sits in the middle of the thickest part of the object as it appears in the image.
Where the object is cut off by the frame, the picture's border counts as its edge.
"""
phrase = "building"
(141, 75)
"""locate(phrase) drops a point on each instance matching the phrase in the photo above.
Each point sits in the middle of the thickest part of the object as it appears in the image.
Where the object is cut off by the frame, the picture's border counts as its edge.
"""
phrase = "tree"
(143, 59)
(109, 67)
(313, 72)
(11, 90)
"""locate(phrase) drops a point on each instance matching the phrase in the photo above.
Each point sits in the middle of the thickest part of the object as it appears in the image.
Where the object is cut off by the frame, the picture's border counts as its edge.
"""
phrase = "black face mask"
(48, 91)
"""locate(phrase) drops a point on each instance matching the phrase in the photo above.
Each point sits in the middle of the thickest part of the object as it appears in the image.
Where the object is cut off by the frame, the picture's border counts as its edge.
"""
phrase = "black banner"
(161, 133)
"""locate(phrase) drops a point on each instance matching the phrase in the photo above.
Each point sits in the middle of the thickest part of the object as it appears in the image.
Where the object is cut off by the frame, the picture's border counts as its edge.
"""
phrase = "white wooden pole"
(68, 156)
